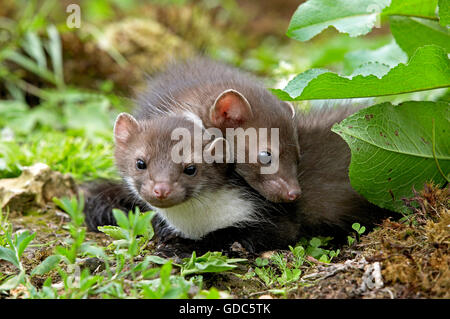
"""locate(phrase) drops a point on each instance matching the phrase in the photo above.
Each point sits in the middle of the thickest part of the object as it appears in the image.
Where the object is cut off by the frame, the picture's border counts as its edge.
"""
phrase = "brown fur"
(328, 205)
(151, 142)
(194, 86)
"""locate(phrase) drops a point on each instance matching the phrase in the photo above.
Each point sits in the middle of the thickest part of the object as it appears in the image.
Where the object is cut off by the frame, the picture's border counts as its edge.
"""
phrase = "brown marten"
(193, 200)
(223, 97)
(205, 206)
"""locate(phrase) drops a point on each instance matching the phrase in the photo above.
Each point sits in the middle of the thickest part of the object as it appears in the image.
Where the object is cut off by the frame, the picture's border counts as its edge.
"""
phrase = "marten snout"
(162, 193)
(293, 194)
(284, 191)
(162, 190)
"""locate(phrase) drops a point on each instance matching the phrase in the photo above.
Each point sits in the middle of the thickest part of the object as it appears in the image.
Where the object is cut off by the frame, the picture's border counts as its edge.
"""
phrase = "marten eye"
(264, 157)
(190, 170)
(140, 164)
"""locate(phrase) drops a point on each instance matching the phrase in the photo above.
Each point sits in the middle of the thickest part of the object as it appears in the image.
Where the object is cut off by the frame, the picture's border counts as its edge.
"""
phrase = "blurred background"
(62, 86)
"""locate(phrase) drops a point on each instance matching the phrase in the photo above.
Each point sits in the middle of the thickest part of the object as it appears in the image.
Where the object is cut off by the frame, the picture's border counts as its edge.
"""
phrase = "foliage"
(281, 271)
(359, 231)
(385, 139)
(355, 17)
(209, 262)
(428, 69)
(33, 134)
(123, 275)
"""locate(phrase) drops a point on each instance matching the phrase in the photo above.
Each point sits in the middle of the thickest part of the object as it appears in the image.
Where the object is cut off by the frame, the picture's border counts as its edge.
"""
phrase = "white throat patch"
(211, 211)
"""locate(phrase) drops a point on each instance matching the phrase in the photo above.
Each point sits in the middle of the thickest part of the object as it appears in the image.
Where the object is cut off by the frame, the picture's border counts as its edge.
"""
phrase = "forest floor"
(408, 259)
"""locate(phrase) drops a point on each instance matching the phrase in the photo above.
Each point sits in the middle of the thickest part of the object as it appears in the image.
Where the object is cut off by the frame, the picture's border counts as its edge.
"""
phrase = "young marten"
(210, 206)
(194, 201)
(223, 97)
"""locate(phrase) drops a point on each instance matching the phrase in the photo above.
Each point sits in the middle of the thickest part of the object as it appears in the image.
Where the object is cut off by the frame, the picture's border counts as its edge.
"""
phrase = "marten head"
(159, 166)
(267, 159)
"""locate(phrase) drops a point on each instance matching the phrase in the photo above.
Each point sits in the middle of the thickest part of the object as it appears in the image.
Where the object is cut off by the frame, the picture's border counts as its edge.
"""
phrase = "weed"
(356, 236)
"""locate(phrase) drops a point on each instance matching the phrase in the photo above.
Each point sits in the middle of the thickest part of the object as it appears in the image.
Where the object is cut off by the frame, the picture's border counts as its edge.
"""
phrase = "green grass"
(128, 270)
(64, 153)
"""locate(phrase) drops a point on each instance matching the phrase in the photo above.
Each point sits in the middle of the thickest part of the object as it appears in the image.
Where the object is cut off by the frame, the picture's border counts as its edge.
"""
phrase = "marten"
(223, 97)
(203, 206)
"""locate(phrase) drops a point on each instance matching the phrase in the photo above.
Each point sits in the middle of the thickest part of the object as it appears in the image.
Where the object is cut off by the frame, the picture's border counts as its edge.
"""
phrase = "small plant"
(12, 253)
(315, 248)
(356, 236)
(298, 253)
(267, 275)
(5, 226)
(133, 231)
(209, 262)
(166, 286)
(261, 262)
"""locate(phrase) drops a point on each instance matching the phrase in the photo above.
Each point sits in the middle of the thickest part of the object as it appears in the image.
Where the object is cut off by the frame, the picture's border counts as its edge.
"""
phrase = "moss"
(416, 253)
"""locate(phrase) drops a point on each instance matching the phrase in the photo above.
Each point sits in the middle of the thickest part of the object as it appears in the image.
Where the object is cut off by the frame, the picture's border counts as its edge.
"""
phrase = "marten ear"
(125, 126)
(230, 109)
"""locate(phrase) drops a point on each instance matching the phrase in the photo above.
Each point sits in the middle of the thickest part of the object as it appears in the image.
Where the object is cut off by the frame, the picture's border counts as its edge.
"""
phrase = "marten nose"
(162, 190)
(293, 194)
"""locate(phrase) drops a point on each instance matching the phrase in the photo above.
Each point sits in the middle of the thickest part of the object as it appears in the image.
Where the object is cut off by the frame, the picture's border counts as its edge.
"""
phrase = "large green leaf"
(414, 8)
(355, 17)
(390, 55)
(444, 12)
(392, 149)
(412, 33)
(428, 69)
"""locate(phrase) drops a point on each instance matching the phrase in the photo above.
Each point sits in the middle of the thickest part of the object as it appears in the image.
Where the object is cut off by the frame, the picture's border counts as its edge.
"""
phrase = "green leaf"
(9, 255)
(114, 232)
(33, 47)
(121, 218)
(261, 262)
(13, 281)
(356, 226)
(47, 265)
(428, 69)
(22, 242)
(390, 55)
(355, 17)
(144, 226)
(414, 8)
(54, 49)
(93, 250)
(157, 260)
(391, 149)
(164, 273)
(209, 262)
(425, 32)
(315, 242)
(444, 12)
(29, 65)
(73, 206)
